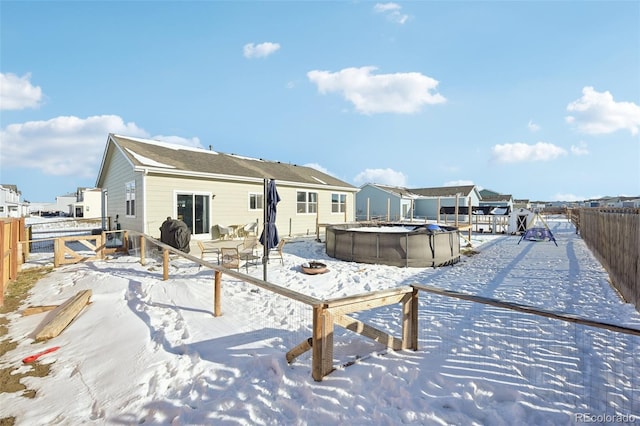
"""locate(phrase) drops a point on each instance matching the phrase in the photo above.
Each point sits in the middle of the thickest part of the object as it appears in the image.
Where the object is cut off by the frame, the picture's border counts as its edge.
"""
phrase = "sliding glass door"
(194, 210)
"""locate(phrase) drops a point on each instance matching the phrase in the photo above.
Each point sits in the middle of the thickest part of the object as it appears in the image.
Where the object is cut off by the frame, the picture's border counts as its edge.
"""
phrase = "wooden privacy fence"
(613, 235)
(11, 233)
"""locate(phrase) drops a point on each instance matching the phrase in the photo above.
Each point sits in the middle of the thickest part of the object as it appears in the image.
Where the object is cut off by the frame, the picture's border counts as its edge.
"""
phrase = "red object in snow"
(32, 358)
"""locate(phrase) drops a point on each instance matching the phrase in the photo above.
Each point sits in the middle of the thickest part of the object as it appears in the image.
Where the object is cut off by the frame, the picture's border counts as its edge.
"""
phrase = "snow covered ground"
(148, 351)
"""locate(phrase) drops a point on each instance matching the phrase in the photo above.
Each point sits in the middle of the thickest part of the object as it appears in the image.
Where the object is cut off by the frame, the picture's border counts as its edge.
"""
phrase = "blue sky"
(535, 99)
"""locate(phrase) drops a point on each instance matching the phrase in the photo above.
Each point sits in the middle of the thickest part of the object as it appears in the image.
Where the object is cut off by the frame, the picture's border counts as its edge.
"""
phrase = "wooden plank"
(388, 294)
(62, 316)
(374, 302)
(299, 349)
(32, 310)
(528, 309)
(368, 331)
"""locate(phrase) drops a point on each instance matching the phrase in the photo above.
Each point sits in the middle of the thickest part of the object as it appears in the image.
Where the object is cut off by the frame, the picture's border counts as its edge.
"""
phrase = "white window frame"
(259, 203)
(130, 198)
(309, 206)
(339, 206)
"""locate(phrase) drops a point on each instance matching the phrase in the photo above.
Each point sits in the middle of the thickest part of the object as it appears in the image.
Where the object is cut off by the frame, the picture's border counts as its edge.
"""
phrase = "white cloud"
(381, 176)
(261, 50)
(598, 113)
(391, 11)
(521, 152)
(386, 7)
(67, 146)
(18, 92)
(402, 93)
(580, 149)
(533, 127)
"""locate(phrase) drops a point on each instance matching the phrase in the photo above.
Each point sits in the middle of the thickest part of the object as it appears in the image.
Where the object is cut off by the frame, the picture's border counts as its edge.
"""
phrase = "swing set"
(537, 232)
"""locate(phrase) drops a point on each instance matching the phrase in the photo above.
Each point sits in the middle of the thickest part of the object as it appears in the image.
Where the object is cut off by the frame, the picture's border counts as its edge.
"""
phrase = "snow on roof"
(168, 145)
(148, 161)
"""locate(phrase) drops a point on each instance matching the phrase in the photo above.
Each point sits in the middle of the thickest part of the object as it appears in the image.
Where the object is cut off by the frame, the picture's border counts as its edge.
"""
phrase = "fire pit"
(313, 268)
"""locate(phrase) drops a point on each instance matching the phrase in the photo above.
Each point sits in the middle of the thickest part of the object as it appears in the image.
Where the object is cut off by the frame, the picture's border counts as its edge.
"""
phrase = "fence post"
(322, 343)
(4, 276)
(101, 244)
(410, 320)
(13, 246)
(57, 252)
(165, 264)
(217, 294)
(143, 242)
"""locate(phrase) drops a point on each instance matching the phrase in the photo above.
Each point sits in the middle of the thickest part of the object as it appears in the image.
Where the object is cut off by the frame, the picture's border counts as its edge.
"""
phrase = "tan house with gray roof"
(144, 181)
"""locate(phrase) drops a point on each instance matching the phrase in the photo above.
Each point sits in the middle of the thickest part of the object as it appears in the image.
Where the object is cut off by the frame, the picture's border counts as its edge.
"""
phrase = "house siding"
(428, 207)
(380, 203)
(119, 172)
(231, 203)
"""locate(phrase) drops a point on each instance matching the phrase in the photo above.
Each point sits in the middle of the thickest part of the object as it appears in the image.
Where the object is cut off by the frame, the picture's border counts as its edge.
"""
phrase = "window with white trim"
(338, 203)
(130, 198)
(307, 202)
(255, 201)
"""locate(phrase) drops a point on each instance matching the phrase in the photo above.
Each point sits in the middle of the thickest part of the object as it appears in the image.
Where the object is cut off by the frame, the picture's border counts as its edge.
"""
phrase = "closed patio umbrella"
(269, 237)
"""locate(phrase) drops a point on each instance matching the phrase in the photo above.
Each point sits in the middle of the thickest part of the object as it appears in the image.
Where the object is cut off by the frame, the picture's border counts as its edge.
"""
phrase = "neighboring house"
(88, 203)
(446, 198)
(64, 203)
(10, 204)
(521, 204)
(143, 182)
(495, 199)
(41, 209)
(618, 202)
(538, 206)
(494, 211)
(375, 201)
(384, 202)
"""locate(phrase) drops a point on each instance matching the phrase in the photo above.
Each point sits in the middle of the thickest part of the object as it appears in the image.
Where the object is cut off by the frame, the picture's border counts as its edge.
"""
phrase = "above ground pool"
(396, 244)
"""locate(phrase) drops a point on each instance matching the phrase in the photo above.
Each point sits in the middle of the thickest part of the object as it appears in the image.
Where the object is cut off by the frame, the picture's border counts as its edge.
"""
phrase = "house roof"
(444, 191)
(498, 197)
(488, 193)
(396, 190)
(162, 157)
(11, 187)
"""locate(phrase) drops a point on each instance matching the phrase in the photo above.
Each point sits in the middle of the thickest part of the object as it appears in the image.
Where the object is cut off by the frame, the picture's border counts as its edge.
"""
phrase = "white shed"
(520, 219)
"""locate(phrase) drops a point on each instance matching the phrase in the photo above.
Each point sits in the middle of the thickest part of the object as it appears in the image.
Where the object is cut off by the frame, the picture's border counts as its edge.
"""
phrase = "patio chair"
(206, 249)
(278, 250)
(224, 231)
(230, 257)
(248, 245)
(250, 229)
